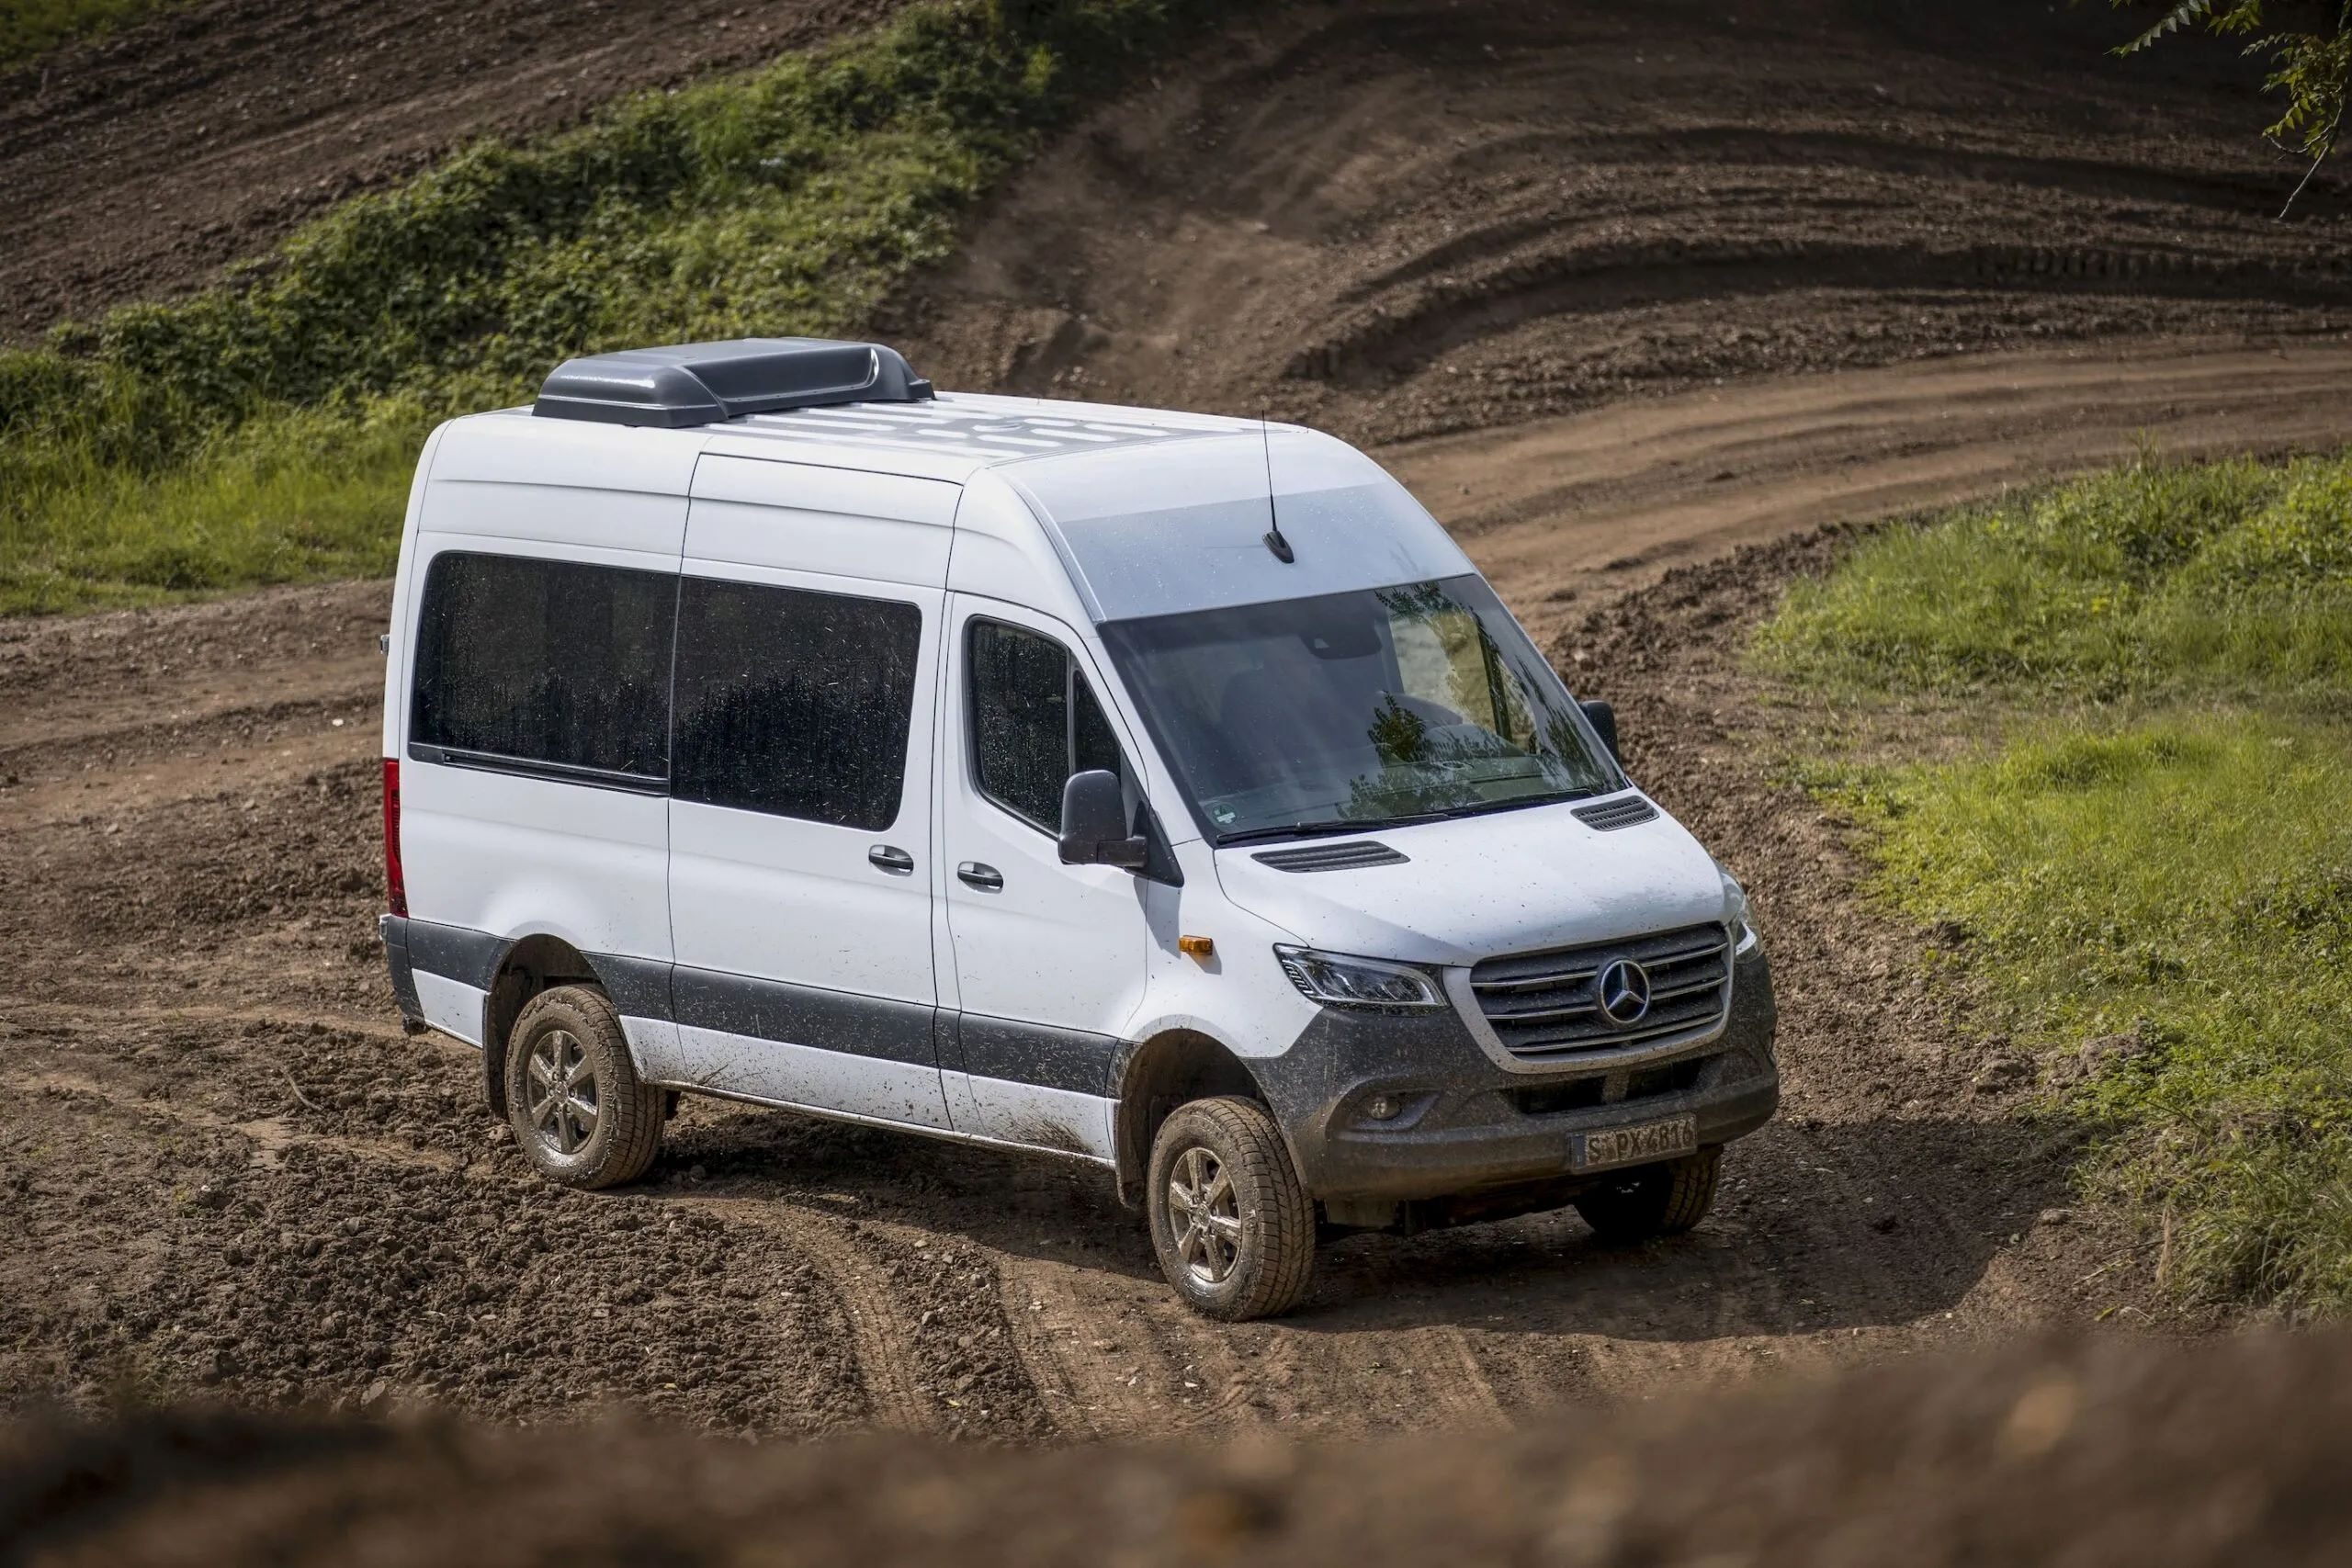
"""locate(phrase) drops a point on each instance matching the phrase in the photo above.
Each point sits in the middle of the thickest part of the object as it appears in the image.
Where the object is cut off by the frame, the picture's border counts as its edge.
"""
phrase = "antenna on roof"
(1274, 540)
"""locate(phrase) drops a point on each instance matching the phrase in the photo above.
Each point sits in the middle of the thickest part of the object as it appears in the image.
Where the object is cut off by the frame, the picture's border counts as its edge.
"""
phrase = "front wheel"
(1234, 1229)
(1654, 1199)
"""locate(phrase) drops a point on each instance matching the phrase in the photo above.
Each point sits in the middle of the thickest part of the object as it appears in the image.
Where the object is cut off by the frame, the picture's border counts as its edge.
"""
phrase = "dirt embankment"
(1396, 218)
(139, 167)
(2066, 1455)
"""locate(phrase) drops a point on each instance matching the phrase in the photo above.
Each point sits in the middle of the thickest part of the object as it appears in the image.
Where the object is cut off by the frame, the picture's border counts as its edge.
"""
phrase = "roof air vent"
(1352, 856)
(702, 383)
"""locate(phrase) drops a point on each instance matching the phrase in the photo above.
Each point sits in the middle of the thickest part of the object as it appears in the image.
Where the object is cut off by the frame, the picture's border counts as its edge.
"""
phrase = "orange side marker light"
(1196, 947)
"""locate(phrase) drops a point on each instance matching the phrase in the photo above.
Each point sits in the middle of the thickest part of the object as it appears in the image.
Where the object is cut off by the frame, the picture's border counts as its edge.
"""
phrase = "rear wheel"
(580, 1115)
(1234, 1229)
(1654, 1199)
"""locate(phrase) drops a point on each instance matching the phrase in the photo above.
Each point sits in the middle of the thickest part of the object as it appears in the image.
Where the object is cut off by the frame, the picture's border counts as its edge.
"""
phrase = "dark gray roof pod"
(704, 383)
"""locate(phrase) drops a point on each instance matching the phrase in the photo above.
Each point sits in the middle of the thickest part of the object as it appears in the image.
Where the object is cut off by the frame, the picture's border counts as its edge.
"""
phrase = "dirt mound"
(1396, 218)
(2073, 1454)
(138, 166)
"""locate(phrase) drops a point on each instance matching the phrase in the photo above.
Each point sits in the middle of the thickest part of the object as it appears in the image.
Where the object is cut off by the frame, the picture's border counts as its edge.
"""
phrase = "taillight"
(395, 884)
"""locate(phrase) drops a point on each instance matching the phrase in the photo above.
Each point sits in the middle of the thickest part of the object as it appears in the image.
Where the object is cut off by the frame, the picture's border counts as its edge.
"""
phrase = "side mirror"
(1603, 719)
(1094, 823)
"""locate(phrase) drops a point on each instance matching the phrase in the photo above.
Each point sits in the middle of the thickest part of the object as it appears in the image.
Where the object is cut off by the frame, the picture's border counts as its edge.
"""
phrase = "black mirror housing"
(1094, 823)
(1603, 719)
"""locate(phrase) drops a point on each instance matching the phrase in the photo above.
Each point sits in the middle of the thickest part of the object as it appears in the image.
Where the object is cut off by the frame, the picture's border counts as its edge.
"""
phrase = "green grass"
(256, 434)
(2156, 578)
(29, 28)
(2167, 877)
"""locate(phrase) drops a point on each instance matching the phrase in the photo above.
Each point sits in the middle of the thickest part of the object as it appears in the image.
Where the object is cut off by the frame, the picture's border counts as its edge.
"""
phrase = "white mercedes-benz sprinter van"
(1149, 789)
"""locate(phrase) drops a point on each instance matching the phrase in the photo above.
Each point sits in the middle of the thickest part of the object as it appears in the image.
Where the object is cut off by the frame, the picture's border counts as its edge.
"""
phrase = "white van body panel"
(807, 518)
(1002, 553)
(1475, 886)
(1050, 966)
(505, 855)
(509, 476)
(1170, 526)
(1236, 996)
(450, 1006)
(798, 904)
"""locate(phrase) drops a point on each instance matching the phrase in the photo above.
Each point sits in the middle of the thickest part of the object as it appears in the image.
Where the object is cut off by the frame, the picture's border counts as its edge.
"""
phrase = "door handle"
(985, 877)
(889, 857)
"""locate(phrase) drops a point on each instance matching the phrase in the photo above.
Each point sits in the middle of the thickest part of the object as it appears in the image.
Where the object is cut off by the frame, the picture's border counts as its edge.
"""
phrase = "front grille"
(1350, 856)
(1546, 1006)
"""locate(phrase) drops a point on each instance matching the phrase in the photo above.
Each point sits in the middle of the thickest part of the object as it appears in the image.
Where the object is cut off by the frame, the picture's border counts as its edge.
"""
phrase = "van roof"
(979, 428)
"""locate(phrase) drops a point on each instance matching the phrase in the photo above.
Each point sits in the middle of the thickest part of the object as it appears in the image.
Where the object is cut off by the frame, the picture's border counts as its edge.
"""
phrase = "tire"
(1654, 1199)
(602, 1138)
(1252, 1248)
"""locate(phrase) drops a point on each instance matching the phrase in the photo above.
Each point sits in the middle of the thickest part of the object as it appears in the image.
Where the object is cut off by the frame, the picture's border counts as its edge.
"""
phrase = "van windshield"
(1357, 710)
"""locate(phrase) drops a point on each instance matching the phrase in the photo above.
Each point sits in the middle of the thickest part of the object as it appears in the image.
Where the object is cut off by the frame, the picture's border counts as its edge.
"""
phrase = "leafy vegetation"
(2311, 66)
(265, 431)
(2155, 897)
(29, 28)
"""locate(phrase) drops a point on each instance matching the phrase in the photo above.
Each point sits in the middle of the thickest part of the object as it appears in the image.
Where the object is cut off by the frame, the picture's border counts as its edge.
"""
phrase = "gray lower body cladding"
(1469, 1126)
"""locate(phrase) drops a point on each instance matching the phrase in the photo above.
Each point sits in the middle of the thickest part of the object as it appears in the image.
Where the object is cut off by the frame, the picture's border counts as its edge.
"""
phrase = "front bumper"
(1470, 1126)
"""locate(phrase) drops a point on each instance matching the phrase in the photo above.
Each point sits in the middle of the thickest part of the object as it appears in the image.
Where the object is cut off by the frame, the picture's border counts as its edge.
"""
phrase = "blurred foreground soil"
(2076, 1452)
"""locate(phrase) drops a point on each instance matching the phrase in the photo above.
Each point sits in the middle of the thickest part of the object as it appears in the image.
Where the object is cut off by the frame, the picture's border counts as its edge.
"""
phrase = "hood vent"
(1621, 813)
(1350, 856)
(706, 383)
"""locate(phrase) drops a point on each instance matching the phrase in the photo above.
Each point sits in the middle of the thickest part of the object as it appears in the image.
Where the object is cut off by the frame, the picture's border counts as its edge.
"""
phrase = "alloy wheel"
(1204, 1215)
(563, 1092)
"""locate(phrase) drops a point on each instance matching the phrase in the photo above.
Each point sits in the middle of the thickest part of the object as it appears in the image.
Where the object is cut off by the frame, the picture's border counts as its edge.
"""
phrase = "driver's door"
(1048, 960)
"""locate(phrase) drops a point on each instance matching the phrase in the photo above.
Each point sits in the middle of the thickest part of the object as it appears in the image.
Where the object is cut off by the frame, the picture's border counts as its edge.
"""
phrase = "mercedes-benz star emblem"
(1625, 992)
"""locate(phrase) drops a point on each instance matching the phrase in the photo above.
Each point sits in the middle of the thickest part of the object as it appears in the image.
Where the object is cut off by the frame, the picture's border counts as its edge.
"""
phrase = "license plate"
(1637, 1145)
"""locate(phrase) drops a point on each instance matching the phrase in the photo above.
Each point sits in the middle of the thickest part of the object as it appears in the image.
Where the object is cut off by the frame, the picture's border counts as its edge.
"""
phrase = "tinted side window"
(1034, 722)
(546, 662)
(793, 703)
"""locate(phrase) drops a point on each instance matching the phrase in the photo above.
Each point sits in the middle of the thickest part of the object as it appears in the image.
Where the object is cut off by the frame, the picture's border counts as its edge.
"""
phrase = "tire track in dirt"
(882, 1330)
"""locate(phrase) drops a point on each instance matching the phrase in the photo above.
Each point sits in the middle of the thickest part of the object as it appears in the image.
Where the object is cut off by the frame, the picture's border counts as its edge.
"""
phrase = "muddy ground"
(2075, 1454)
(231, 1178)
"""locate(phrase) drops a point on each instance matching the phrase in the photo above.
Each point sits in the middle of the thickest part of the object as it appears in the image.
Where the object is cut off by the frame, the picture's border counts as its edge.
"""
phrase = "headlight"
(1343, 982)
(1743, 929)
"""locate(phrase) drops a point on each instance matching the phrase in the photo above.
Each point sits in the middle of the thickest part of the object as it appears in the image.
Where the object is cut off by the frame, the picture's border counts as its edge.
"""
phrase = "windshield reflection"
(1358, 709)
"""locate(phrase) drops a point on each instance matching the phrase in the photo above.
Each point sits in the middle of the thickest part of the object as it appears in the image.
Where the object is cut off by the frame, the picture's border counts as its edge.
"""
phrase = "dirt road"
(240, 1176)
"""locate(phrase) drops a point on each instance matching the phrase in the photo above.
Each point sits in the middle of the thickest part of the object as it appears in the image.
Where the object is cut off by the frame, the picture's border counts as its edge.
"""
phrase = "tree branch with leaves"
(2308, 47)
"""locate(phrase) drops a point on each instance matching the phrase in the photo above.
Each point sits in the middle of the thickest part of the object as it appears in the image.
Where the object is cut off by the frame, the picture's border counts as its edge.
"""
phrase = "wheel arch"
(1159, 1074)
(531, 964)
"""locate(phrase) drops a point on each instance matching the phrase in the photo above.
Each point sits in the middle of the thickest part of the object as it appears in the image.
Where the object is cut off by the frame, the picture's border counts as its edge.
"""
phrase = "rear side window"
(1034, 722)
(794, 704)
(546, 662)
